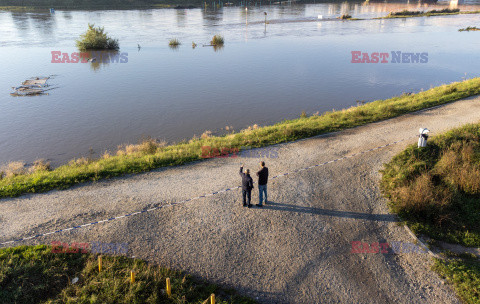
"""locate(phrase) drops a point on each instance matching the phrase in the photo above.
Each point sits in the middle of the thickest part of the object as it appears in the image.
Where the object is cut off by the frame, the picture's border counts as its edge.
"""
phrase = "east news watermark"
(389, 57)
(243, 152)
(387, 247)
(94, 247)
(85, 57)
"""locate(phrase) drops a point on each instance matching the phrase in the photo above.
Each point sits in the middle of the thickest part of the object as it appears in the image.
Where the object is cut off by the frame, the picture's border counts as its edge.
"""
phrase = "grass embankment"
(437, 189)
(463, 272)
(443, 12)
(151, 155)
(33, 274)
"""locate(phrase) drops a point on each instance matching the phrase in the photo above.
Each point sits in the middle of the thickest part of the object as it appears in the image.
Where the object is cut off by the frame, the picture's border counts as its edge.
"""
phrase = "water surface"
(263, 74)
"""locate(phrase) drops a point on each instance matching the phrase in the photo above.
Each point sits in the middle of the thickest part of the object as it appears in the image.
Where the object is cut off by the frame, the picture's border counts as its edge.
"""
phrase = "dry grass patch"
(14, 169)
(40, 165)
(437, 189)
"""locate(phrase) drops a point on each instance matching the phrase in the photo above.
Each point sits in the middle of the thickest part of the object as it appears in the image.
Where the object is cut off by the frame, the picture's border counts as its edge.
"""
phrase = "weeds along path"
(297, 249)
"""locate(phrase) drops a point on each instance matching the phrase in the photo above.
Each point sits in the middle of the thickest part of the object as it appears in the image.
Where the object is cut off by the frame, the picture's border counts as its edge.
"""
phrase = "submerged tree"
(96, 39)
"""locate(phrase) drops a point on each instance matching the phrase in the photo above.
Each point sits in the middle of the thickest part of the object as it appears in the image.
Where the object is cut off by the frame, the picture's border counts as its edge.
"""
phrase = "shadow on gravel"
(319, 211)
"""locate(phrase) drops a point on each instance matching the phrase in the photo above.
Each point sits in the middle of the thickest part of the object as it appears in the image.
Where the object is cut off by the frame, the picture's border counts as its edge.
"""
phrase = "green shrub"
(174, 42)
(406, 13)
(96, 39)
(217, 40)
(444, 11)
(345, 16)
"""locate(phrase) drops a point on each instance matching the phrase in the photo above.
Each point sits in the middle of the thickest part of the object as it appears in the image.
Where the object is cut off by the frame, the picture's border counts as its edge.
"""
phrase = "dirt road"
(297, 249)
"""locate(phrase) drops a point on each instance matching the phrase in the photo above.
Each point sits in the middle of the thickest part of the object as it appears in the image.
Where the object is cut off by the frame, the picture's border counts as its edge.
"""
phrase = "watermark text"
(391, 57)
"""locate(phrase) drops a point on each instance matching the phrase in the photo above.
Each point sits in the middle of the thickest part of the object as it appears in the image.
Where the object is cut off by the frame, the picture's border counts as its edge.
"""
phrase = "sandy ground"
(297, 249)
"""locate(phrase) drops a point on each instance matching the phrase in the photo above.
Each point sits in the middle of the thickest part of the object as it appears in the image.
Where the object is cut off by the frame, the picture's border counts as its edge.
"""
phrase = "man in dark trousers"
(247, 186)
(262, 183)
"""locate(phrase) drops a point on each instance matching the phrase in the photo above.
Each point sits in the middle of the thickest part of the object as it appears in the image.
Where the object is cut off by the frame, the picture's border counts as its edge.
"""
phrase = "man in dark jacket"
(247, 186)
(262, 183)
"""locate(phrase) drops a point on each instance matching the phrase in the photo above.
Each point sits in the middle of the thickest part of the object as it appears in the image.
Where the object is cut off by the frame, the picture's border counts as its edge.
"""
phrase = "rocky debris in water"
(32, 87)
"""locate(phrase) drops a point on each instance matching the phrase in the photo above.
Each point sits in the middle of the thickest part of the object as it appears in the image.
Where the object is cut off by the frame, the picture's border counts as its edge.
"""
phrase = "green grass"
(96, 39)
(468, 29)
(463, 272)
(148, 158)
(437, 189)
(33, 274)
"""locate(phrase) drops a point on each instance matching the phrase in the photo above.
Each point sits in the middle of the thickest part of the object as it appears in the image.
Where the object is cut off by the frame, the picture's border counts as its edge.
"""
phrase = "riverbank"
(151, 155)
(42, 274)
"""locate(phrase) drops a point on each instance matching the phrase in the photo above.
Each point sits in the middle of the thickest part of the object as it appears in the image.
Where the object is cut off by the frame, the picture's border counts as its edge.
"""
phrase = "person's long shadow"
(347, 214)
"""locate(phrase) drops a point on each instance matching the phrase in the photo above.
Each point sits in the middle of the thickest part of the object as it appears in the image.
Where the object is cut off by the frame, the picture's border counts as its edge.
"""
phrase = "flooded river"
(300, 61)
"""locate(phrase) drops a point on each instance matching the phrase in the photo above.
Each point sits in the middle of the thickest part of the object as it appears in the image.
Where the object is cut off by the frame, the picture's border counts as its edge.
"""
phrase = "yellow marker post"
(99, 263)
(212, 299)
(132, 277)
(169, 288)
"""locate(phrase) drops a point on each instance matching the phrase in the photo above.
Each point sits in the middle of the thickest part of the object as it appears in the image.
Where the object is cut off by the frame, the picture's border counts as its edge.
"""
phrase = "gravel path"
(294, 250)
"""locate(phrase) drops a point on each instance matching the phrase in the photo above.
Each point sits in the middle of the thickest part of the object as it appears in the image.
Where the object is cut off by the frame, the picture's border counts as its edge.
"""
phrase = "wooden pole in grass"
(99, 263)
(132, 277)
(212, 299)
(169, 288)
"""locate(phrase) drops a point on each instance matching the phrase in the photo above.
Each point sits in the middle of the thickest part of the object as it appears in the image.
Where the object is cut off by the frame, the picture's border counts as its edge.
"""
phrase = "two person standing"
(247, 185)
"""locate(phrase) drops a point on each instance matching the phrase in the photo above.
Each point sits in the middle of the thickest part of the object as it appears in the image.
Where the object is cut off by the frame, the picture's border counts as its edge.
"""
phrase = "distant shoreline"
(179, 4)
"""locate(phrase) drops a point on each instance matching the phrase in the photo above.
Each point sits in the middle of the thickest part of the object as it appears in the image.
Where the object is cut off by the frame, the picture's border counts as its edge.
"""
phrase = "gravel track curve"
(296, 249)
